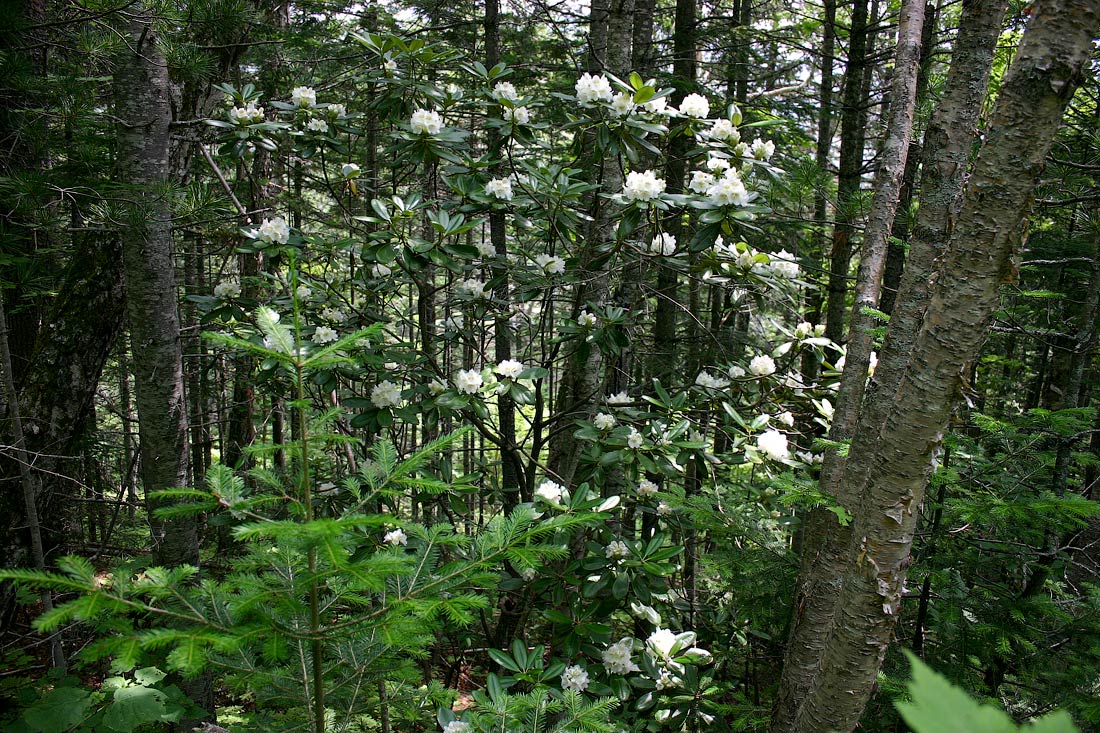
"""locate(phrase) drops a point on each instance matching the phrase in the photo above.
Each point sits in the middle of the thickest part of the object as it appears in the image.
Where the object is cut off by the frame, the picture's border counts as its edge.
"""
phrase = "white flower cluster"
(663, 244)
(729, 190)
(762, 366)
(324, 335)
(396, 537)
(273, 231)
(643, 186)
(695, 105)
(724, 130)
(622, 104)
(468, 381)
(303, 97)
(246, 115)
(617, 550)
(227, 289)
(500, 188)
(634, 440)
(339, 111)
(647, 487)
(550, 264)
(518, 115)
(385, 394)
(661, 642)
(471, 288)
(574, 678)
(333, 314)
(550, 491)
(604, 421)
(587, 320)
(810, 459)
(509, 368)
(592, 89)
(773, 444)
(619, 398)
(706, 379)
(762, 149)
(616, 658)
(426, 122)
(505, 91)
(317, 125)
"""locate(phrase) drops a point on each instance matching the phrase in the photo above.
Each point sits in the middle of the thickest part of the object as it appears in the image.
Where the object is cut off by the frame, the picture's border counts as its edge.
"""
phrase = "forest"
(547, 366)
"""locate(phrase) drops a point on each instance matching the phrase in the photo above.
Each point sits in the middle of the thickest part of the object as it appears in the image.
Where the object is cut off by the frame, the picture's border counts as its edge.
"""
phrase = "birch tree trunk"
(893, 462)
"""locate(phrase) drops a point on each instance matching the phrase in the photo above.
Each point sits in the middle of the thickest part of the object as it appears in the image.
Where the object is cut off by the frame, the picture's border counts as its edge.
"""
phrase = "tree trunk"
(890, 466)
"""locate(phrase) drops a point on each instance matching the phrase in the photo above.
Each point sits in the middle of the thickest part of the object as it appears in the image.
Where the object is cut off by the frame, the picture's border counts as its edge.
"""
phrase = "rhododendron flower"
(528, 574)
(274, 231)
(505, 90)
(385, 394)
(762, 366)
(701, 181)
(574, 678)
(509, 368)
(663, 509)
(706, 379)
(803, 330)
(485, 249)
(518, 115)
(616, 658)
(617, 550)
(695, 105)
(317, 125)
(587, 320)
(643, 186)
(471, 288)
(396, 537)
(324, 335)
(550, 491)
(390, 66)
(550, 264)
(303, 292)
(426, 122)
(774, 444)
(500, 188)
(468, 381)
(663, 244)
(728, 191)
(619, 398)
(658, 106)
(303, 97)
(724, 130)
(604, 421)
(227, 289)
(762, 149)
(783, 264)
(622, 104)
(338, 110)
(661, 642)
(634, 440)
(592, 89)
(787, 418)
(647, 487)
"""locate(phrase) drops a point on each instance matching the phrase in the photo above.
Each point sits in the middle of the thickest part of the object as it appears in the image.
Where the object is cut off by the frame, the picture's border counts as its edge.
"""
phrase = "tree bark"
(978, 260)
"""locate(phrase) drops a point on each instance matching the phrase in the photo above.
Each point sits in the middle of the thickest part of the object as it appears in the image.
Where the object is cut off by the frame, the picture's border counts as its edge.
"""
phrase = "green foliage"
(937, 706)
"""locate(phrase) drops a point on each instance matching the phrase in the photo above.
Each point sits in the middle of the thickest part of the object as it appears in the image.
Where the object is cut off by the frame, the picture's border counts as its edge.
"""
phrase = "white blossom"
(634, 440)
(657, 106)
(604, 421)
(617, 550)
(471, 288)
(528, 574)
(762, 366)
(385, 394)
(248, 114)
(303, 292)
(505, 90)
(333, 314)
(706, 379)
(787, 418)
(803, 330)
(509, 368)
(762, 149)
(390, 66)
(701, 181)
(518, 115)
(227, 289)
(303, 97)
(550, 491)
(550, 264)
(574, 678)
(337, 110)
(592, 89)
(616, 658)
(695, 105)
(784, 264)
(735, 372)
(643, 186)
(724, 129)
(774, 444)
(396, 537)
(663, 244)
(468, 381)
(317, 125)
(436, 387)
(663, 509)
(274, 231)
(324, 335)
(485, 248)
(728, 191)
(717, 164)
(587, 320)
(661, 642)
(647, 487)
(426, 122)
(622, 104)
(619, 398)
(500, 188)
